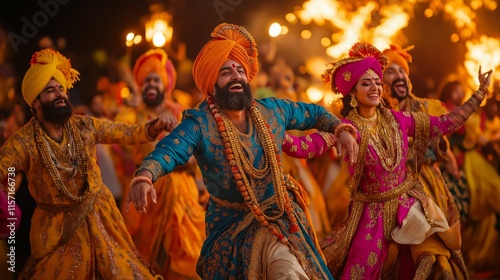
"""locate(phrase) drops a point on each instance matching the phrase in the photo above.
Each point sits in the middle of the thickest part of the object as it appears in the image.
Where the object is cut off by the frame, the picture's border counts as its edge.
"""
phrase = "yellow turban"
(399, 56)
(229, 42)
(47, 64)
(157, 61)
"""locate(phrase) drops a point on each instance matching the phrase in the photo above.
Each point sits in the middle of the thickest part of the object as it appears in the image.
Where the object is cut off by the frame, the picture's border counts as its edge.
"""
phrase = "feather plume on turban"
(157, 61)
(345, 73)
(399, 56)
(47, 64)
(229, 42)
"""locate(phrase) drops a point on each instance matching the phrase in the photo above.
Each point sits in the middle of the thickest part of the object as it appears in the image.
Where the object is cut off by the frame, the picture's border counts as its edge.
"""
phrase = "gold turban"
(229, 42)
(157, 61)
(399, 56)
(47, 64)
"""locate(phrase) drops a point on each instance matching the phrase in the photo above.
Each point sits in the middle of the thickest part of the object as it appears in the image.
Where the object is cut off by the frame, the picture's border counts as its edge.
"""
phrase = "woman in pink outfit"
(393, 230)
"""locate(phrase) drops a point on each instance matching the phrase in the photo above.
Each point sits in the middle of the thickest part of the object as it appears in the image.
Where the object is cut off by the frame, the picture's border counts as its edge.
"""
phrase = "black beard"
(393, 90)
(153, 102)
(57, 115)
(233, 101)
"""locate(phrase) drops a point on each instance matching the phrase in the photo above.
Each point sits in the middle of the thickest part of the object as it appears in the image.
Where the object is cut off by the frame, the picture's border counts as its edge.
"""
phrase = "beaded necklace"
(242, 168)
(50, 160)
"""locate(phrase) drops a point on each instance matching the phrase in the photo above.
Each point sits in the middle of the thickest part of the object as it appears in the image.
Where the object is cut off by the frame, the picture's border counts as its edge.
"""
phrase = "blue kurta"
(231, 227)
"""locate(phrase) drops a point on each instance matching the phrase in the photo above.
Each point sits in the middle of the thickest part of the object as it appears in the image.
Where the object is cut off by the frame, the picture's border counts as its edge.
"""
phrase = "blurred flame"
(381, 22)
(314, 93)
(275, 29)
(484, 52)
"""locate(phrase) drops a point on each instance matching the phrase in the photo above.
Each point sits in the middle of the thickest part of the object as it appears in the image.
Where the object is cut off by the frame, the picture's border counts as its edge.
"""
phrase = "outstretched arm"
(448, 123)
(140, 187)
(308, 146)
(173, 150)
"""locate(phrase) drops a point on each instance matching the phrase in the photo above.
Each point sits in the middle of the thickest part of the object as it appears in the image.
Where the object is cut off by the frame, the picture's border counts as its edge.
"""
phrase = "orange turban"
(155, 61)
(399, 56)
(47, 64)
(229, 42)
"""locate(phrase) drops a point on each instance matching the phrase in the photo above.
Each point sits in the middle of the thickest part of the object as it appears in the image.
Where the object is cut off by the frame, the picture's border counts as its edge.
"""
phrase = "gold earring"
(354, 102)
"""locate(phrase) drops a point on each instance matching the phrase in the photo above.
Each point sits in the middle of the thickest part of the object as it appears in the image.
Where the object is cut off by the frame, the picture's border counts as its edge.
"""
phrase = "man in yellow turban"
(77, 230)
(170, 238)
(256, 221)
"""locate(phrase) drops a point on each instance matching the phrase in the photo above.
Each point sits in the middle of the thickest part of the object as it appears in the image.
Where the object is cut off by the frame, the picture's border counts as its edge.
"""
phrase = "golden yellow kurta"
(172, 231)
(69, 239)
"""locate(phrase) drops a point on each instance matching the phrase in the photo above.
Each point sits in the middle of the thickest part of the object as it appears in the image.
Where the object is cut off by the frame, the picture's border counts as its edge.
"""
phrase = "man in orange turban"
(229, 42)
(170, 238)
(255, 213)
(396, 75)
(76, 218)
(436, 180)
(155, 63)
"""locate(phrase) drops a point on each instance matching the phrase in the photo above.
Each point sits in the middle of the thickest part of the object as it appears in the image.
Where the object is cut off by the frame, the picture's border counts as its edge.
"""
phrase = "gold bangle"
(483, 89)
(141, 179)
(345, 127)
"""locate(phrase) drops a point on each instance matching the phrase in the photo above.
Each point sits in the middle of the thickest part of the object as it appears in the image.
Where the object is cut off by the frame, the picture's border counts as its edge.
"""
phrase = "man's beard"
(153, 102)
(56, 114)
(394, 91)
(233, 101)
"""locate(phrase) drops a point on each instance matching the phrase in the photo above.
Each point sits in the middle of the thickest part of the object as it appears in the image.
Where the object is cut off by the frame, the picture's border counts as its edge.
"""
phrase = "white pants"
(271, 259)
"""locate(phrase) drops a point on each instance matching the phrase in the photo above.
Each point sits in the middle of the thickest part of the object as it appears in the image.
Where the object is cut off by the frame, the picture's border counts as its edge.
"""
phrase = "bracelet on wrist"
(140, 179)
(347, 128)
(329, 138)
(483, 89)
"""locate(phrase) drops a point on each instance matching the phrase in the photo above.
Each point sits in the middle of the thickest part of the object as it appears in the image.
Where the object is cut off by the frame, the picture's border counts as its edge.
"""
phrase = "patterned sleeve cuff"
(152, 166)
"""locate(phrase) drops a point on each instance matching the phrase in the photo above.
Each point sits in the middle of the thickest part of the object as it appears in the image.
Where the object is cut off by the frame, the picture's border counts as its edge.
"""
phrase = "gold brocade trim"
(249, 217)
(424, 268)
(420, 144)
(422, 134)
(74, 215)
(58, 207)
(152, 166)
(342, 235)
(391, 202)
(255, 266)
(403, 188)
(458, 261)
(389, 217)
(239, 206)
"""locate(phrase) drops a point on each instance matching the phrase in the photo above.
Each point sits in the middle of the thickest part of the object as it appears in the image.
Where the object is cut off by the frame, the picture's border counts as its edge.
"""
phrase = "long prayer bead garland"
(242, 168)
(44, 149)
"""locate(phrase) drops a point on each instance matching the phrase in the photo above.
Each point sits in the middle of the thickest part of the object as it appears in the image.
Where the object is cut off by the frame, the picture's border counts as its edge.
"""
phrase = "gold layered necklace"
(74, 158)
(385, 138)
(370, 119)
(244, 171)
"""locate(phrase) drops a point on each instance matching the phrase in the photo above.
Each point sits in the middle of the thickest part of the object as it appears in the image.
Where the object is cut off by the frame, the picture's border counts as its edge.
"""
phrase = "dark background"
(91, 25)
